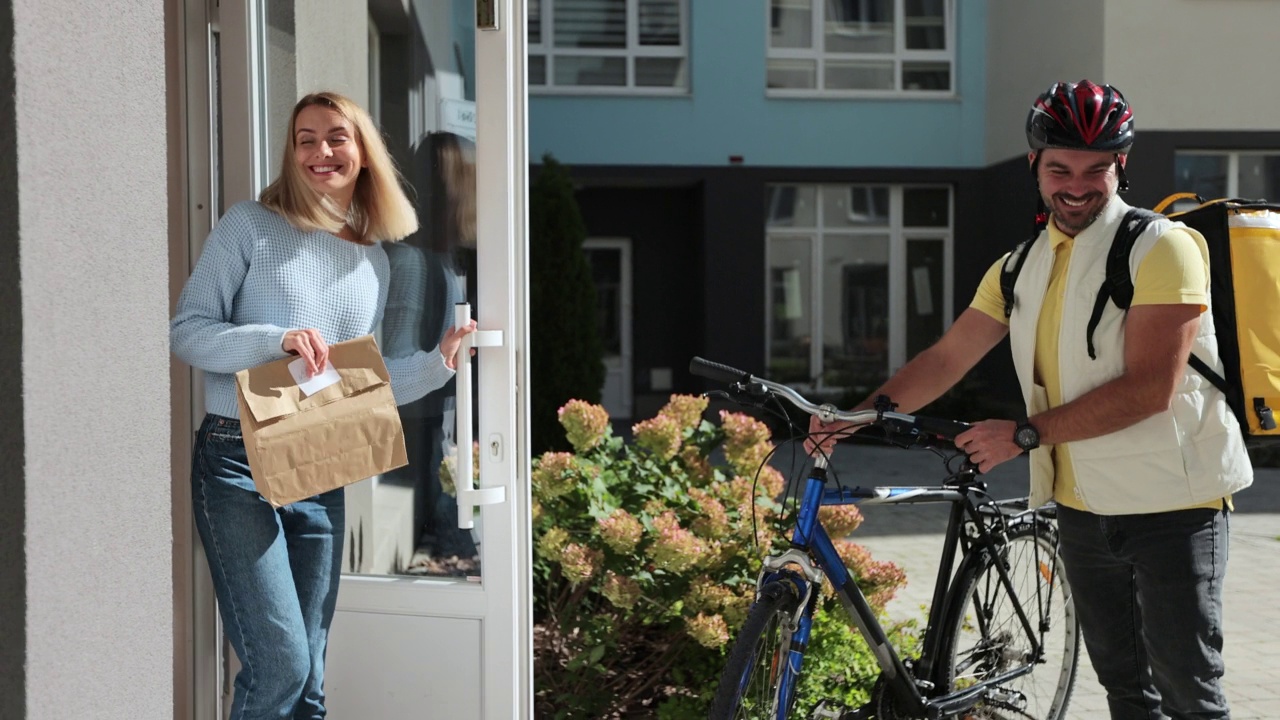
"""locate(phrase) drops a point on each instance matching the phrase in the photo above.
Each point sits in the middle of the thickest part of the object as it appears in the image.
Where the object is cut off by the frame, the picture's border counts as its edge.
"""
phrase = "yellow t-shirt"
(1174, 272)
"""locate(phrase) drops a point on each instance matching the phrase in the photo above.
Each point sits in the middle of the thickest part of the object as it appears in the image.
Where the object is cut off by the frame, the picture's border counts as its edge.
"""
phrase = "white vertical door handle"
(469, 496)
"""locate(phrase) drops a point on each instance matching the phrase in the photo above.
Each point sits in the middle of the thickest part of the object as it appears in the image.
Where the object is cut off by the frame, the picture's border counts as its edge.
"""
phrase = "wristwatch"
(1026, 436)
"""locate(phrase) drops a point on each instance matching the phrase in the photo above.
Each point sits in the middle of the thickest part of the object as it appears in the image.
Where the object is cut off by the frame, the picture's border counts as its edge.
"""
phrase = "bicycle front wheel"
(755, 684)
(985, 637)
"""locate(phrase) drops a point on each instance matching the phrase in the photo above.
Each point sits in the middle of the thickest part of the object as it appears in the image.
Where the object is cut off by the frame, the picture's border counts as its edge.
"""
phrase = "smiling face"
(327, 152)
(1076, 185)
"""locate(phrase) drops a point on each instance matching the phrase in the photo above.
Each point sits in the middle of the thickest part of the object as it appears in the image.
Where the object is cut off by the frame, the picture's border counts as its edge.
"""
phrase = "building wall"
(91, 215)
(727, 113)
(1195, 65)
(1032, 44)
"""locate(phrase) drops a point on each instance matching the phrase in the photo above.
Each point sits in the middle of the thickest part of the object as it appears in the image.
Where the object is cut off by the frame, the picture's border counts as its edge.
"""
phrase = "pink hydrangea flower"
(673, 548)
(621, 531)
(659, 435)
(554, 474)
(623, 592)
(710, 631)
(746, 443)
(579, 562)
(840, 520)
(686, 410)
(585, 425)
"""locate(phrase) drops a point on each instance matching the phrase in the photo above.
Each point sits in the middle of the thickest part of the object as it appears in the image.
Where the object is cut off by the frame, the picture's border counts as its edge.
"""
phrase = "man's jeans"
(275, 573)
(1148, 591)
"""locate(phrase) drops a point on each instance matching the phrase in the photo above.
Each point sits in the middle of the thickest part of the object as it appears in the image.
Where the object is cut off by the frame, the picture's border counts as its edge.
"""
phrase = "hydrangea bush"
(646, 558)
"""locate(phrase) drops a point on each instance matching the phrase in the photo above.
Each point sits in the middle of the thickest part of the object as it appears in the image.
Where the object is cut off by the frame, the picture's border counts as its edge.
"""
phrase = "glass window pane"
(591, 71)
(926, 76)
(860, 26)
(792, 205)
(659, 22)
(591, 23)
(606, 271)
(926, 25)
(660, 72)
(793, 74)
(924, 294)
(1259, 177)
(855, 205)
(537, 69)
(858, 75)
(855, 310)
(790, 329)
(1204, 175)
(926, 207)
(791, 24)
(535, 21)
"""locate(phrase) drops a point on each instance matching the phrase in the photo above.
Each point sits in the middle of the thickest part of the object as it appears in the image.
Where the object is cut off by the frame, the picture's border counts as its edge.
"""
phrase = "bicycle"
(1001, 640)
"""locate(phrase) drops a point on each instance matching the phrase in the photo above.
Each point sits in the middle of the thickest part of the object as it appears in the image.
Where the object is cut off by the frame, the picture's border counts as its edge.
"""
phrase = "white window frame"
(901, 54)
(899, 236)
(633, 51)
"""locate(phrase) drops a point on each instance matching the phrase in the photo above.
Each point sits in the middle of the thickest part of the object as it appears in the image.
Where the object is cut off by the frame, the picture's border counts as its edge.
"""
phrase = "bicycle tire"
(971, 652)
(748, 687)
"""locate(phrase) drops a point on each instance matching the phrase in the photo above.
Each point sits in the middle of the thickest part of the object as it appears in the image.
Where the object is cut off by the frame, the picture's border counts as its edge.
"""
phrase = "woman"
(290, 274)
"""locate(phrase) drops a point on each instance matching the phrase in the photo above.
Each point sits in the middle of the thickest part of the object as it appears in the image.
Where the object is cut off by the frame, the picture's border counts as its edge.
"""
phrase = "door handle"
(469, 496)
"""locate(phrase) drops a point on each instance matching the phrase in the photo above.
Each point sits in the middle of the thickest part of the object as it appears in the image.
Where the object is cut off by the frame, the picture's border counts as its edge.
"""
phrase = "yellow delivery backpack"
(1244, 280)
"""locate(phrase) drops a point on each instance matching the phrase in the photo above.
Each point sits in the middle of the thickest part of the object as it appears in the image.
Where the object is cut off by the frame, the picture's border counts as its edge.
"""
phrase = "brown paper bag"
(300, 445)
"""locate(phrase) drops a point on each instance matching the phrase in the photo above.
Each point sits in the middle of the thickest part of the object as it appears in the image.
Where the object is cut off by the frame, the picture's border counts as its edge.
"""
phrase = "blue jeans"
(1148, 591)
(275, 572)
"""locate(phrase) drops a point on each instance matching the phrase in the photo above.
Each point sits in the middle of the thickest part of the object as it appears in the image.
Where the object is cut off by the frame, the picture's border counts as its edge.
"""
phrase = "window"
(630, 46)
(1253, 175)
(858, 280)
(861, 47)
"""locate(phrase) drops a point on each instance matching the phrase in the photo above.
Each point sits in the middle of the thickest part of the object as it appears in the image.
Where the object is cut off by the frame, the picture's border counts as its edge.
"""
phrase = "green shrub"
(646, 562)
(566, 358)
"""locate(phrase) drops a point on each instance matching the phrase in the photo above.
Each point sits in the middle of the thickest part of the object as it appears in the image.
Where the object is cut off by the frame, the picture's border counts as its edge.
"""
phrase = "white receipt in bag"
(312, 385)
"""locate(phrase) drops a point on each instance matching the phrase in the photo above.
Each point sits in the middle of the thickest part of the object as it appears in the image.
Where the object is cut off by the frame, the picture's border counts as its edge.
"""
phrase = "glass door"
(434, 611)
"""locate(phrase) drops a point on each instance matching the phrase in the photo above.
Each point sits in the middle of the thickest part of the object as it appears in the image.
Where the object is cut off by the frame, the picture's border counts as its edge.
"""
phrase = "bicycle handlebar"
(948, 429)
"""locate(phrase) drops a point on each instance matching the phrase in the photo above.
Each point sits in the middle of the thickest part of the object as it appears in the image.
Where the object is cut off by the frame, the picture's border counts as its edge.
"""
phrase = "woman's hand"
(452, 340)
(822, 437)
(308, 345)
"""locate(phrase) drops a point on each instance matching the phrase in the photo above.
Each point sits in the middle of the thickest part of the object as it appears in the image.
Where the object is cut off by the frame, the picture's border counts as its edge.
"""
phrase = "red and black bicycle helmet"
(1081, 116)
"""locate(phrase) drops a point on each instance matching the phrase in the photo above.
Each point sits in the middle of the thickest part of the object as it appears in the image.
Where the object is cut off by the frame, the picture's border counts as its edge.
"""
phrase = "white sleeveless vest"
(1189, 454)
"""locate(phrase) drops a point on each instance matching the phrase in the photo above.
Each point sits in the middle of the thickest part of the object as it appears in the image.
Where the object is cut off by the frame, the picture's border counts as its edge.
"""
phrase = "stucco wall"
(727, 112)
(1030, 45)
(1195, 65)
(92, 228)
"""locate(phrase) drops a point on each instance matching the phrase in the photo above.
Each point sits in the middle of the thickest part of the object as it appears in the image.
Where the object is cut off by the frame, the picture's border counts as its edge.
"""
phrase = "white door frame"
(623, 365)
(502, 601)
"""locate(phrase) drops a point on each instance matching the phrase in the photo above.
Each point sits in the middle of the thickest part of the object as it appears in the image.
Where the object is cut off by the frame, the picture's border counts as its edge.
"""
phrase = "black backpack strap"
(1010, 269)
(1221, 383)
(1118, 286)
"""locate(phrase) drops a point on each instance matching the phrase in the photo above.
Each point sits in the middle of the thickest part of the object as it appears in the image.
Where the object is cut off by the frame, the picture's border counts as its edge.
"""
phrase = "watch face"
(1027, 437)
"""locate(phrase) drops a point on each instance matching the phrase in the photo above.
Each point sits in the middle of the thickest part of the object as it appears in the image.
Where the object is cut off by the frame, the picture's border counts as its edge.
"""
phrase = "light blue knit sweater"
(259, 277)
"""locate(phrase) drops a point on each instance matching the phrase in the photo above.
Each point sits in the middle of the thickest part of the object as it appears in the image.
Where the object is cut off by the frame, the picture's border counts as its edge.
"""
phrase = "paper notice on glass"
(312, 385)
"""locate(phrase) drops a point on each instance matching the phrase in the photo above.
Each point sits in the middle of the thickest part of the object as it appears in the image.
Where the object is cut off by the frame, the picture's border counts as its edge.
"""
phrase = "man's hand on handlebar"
(824, 436)
(989, 443)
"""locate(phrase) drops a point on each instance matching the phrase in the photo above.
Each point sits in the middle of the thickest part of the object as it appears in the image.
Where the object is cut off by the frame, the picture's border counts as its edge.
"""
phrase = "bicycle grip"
(948, 429)
(716, 371)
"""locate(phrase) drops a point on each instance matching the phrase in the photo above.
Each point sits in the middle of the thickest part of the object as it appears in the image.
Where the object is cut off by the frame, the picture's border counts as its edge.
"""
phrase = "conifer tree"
(566, 357)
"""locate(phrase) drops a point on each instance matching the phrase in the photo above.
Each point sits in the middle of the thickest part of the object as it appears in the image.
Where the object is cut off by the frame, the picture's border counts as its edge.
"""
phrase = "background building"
(813, 189)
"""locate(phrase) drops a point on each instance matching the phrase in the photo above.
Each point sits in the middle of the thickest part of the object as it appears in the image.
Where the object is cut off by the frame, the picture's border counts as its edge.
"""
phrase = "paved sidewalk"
(911, 537)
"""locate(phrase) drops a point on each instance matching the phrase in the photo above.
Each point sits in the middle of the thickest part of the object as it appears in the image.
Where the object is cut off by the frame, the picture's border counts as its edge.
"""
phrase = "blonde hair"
(380, 210)
(457, 173)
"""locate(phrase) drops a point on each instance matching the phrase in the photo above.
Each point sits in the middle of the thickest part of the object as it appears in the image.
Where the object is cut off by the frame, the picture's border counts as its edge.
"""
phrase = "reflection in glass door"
(405, 522)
